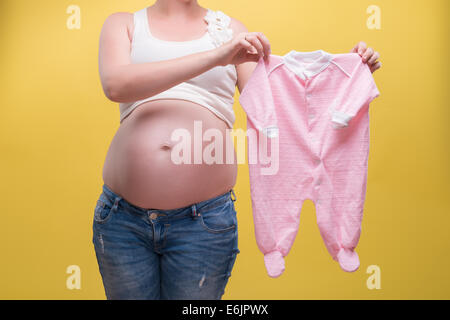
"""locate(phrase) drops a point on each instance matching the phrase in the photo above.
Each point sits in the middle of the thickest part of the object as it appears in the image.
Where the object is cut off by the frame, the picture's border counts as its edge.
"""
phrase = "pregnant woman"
(164, 230)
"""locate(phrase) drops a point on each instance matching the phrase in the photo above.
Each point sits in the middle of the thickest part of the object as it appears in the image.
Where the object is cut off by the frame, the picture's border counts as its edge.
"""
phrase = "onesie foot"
(274, 264)
(348, 260)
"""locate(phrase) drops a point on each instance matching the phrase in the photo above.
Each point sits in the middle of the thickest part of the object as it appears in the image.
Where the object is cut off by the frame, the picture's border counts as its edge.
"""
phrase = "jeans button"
(153, 216)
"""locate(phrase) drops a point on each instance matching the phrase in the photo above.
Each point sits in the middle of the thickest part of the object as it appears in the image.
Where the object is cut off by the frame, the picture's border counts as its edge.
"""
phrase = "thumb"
(251, 57)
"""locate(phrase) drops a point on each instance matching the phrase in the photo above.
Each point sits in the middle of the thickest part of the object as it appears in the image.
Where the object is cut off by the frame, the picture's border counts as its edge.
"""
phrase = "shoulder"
(120, 20)
(237, 26)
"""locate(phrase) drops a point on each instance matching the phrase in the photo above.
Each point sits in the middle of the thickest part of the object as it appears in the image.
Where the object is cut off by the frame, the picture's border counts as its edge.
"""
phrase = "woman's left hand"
(368, 55)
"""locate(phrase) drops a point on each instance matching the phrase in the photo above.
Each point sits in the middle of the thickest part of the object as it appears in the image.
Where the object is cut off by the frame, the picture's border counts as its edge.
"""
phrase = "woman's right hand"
(245, 47)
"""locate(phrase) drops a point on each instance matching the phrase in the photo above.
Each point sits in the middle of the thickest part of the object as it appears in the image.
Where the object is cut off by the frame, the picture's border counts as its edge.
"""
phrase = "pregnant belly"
(151, 168)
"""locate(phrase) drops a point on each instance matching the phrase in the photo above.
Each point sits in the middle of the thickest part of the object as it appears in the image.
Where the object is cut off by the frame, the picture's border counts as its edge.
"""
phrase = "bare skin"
(138, 165)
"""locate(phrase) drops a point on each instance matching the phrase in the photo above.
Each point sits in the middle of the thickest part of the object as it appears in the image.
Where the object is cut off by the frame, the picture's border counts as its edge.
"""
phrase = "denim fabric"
(185, 253)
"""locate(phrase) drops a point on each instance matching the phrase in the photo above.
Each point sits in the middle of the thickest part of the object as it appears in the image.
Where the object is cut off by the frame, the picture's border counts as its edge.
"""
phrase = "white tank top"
(213, 89)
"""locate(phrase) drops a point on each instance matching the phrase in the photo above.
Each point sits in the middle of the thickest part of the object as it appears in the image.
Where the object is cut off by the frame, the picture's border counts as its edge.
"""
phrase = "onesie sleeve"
(356, 91)
(257, 100)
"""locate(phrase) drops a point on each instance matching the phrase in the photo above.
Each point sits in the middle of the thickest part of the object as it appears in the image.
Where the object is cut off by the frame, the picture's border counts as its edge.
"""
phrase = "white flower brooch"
(218, 27)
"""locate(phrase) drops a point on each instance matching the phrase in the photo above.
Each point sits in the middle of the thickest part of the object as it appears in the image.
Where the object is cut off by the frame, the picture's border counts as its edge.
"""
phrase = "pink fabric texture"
(314, 105)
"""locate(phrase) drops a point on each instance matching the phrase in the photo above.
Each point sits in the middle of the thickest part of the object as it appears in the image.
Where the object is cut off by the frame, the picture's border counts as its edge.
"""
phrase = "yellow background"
(56, 125)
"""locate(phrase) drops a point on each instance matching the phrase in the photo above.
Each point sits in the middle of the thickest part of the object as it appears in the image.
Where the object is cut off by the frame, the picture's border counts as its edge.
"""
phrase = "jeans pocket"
(220, 219)
(103, 210)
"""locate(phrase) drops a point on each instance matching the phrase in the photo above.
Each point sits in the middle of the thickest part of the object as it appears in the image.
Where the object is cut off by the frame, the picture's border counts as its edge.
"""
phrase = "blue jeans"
(185, 253)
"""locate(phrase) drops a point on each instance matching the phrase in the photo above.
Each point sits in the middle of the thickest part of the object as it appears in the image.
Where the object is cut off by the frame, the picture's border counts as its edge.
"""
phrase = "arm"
(244, 70)
(257, 100)
(123, 81)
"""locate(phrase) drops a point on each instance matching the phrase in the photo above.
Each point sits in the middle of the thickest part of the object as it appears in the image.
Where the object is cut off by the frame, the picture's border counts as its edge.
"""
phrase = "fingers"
(259, 42)
(360, 48)
(252, 57)
(373, 58)
(265, 43)
(248, 46)
(375, 66)
(367, 54)
(355, 49)
(254, 40)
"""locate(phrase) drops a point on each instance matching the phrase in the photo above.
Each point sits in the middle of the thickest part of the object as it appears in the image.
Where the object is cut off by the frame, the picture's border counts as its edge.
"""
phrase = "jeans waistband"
(192, 209)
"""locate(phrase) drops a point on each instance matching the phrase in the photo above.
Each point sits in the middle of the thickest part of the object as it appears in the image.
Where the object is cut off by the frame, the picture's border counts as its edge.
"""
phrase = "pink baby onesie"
(312, 106)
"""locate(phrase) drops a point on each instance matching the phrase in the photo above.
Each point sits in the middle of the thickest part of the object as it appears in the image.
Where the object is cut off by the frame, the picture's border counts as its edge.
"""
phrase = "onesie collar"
(307, 64)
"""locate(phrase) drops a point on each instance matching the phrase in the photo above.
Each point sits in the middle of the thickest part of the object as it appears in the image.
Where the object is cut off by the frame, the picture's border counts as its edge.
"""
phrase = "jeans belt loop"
(234, 195)
(194, 213)
(116, 203)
